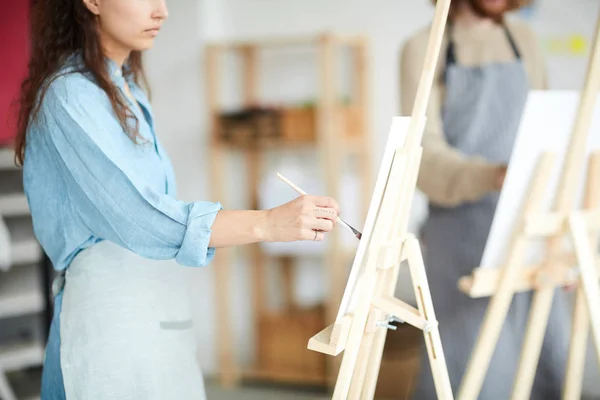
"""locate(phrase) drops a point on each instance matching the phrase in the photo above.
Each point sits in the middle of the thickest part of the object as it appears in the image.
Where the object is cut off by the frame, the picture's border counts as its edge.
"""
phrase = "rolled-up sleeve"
(109, 197)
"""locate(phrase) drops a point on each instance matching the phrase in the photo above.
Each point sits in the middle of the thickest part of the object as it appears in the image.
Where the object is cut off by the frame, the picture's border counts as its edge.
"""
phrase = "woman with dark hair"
(487, 66)
(101, 191)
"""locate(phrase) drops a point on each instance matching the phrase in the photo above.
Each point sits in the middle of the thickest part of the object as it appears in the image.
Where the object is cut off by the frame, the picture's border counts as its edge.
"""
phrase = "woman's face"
(128, 24)
(490, 8)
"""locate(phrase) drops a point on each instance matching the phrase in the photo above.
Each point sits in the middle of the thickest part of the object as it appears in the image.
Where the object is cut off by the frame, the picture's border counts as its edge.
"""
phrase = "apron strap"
(450, 50)
(511, 40)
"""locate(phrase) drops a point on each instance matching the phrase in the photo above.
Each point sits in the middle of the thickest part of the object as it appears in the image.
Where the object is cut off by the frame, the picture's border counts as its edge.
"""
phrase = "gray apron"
(126, 328)
(481, 116)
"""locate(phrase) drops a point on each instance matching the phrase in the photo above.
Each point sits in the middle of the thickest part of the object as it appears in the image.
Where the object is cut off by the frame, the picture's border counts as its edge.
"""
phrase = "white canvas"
(396, 138)
(546, 125)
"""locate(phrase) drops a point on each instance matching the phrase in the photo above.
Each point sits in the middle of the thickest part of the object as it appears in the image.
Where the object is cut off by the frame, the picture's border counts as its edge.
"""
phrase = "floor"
(28, 382)
(214, 392)
(26, 385)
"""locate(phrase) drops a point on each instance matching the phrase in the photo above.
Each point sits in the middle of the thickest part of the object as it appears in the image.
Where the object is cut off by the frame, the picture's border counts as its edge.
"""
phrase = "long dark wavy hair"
(59, 28)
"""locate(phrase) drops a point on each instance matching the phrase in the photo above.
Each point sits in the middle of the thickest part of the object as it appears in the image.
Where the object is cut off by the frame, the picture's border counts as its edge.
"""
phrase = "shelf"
(25, 247)
(13, 205)
(20, 292)
(291, 127)
(7, 159)
(265, 144)
(288, 41)
(22, 355)
(351, 145)
(26, 252)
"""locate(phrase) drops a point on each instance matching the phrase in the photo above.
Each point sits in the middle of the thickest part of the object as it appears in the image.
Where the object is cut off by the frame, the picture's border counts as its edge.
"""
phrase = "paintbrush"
(302, 192)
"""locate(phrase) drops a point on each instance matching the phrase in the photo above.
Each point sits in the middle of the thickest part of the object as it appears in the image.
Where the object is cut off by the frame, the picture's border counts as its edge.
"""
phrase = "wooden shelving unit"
(335, 131)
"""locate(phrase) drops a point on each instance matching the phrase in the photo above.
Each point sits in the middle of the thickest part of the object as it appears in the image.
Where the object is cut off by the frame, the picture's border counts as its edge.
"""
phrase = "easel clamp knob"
(393, 318)
(385, 324)
(388, 322)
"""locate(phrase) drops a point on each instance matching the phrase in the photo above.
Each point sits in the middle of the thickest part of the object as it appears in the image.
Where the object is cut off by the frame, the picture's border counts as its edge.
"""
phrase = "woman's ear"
(93, 6)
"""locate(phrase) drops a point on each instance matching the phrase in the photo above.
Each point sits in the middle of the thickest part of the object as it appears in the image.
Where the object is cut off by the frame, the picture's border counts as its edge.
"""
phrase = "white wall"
(555, 19)
(176, 74)
(174, 70)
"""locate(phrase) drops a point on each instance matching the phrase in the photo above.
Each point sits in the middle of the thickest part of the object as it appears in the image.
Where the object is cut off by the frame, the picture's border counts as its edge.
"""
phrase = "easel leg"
(499, 305)
(433, 341)
(365, 379)
(581, 323)
(360, 371)
(373, 363)
(495, 316)
(532, 345)
(589, 274)
(365, 287)
(577, 348)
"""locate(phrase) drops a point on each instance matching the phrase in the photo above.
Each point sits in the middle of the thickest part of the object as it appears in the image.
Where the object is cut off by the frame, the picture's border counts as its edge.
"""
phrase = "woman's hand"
(305, 218)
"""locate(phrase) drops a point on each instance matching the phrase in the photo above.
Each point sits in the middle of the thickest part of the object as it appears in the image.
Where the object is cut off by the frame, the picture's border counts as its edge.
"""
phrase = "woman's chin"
(143, 44)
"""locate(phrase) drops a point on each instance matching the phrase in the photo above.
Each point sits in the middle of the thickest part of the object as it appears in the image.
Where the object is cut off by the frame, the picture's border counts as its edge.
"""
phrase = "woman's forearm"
(305, 218)
(238, 227)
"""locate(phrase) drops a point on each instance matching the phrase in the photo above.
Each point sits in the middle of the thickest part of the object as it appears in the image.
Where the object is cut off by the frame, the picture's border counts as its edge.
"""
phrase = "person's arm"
(296, 220)
(116, 205)
(446, 176)
(104, 191)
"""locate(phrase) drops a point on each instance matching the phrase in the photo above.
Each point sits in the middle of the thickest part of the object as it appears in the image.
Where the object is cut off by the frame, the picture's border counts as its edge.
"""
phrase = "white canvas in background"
(546, 125)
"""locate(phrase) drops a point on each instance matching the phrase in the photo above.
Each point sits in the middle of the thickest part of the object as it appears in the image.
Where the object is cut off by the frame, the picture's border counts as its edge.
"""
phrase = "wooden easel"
(556, 270)
(362, 331)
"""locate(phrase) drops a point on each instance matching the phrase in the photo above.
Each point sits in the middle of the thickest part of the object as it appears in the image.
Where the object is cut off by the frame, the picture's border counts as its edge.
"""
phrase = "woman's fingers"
(325, 213)
(327, 202)
(318, 216)
(323, 225)
(309, 234)
(314, 223)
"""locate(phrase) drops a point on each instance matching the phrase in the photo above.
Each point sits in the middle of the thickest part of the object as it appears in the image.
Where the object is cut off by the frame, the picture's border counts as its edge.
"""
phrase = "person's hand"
(305, 218)
(499, 177)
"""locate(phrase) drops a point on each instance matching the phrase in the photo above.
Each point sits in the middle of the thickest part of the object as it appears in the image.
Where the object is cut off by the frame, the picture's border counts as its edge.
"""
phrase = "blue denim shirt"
(87, 181)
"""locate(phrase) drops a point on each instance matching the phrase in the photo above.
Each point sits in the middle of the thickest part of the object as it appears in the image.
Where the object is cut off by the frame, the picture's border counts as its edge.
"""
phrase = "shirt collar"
(115, 72)
(116, 75)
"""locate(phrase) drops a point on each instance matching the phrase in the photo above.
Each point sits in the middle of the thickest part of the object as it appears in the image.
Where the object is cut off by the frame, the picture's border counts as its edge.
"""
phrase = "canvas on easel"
(545, 127)
(544, 233)
(368, 306)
